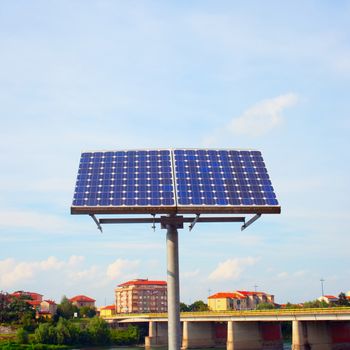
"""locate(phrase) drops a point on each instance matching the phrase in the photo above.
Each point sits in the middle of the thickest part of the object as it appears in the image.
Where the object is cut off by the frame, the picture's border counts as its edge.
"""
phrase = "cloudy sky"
(90, 75)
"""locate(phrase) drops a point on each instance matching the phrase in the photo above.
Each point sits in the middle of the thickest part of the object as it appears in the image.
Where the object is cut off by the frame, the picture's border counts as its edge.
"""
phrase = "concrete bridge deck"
(315, 329)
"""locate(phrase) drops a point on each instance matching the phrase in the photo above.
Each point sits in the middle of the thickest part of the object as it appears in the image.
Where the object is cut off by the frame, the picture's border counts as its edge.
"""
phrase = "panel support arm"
(97, 222)
(194, 222)
(249, 222)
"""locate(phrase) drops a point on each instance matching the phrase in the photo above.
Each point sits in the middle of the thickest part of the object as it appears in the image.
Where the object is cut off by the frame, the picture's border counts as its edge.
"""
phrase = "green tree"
(343, 300)
(184, 307)
(199, 305)
(315, 304)
(128, 336)
(265, 306)
(63, 334)
(45, 334)
(22, 336)
(99, 331)
(87, 311)
(66, 309)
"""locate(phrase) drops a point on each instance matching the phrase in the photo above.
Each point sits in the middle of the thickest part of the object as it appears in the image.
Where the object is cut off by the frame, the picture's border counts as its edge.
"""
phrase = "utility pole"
(322, 280)
(255, 286)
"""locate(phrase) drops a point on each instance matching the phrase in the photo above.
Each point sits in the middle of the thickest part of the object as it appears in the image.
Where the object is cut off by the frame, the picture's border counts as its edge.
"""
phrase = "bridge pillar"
(157, 334)
(197, 335)
(184, 335)
(299, 336)
(229, 342)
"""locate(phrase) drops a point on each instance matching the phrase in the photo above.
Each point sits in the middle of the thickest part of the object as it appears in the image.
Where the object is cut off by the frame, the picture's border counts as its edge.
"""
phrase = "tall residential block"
(141, 296)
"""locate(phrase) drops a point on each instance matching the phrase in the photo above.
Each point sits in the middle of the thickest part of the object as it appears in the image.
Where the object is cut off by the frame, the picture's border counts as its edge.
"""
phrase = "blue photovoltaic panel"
(222, 178)
(125, 179)
(170, 181)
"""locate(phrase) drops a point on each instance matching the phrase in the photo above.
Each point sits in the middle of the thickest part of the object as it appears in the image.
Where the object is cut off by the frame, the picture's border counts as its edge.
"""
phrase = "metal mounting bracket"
(194, 222)
(154, 222)
(249, 222)
(97, 222)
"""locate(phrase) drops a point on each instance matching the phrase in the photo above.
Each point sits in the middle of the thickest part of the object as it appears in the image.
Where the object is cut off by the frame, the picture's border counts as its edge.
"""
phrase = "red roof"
(81, 298)
(330, 297)
(33, 302)
(225, 295)
(51, 302)
(108, 307)
(31, 295)
(245, 292)
(144, 282)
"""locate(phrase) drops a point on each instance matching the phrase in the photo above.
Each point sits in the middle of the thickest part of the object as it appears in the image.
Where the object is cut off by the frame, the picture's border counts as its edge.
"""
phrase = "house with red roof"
(224, 301)
(141, 296)
(48, 307)
(107, 311)
(329, 299)
(82, 300)
(238, 300)
(255, 298)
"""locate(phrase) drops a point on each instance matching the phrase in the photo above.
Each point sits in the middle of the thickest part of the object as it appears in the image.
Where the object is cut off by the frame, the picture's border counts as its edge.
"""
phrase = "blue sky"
(90, 75)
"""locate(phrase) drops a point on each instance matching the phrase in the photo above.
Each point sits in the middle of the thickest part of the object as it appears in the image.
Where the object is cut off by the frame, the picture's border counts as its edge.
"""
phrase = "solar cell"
(181, 180)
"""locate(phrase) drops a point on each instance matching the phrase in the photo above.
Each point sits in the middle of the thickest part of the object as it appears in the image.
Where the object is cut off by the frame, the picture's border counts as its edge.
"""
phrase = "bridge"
(316, 329)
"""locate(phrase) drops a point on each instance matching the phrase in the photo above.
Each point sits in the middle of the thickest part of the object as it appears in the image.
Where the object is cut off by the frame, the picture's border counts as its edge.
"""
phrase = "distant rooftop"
(143, 282)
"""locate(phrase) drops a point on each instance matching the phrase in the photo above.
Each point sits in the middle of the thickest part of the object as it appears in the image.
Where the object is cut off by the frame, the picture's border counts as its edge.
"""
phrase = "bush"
(128, 336)
(22, 336)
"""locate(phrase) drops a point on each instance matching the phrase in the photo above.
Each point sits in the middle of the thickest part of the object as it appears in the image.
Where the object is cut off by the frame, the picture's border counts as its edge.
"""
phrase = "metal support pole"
(174, 338)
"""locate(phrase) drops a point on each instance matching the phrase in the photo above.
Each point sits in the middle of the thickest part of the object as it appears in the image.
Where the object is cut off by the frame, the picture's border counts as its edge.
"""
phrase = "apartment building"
(141, 296)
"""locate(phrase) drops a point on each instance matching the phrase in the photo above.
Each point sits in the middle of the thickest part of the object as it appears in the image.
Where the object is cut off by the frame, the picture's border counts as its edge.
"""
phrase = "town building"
(48, 308)
(256, 298)
(238, 300)
(107, 311)
(140, 296)
(43, 308)
(329, 299)
(226, 301)
(82, 300)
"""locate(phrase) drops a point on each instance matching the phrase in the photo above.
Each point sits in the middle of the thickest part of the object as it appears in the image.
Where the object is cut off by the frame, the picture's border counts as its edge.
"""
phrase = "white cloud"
(34, 221)
(190, 274)
(231, 269)
(12, 271)
(122, 267)
(282, 275)
(262, 117)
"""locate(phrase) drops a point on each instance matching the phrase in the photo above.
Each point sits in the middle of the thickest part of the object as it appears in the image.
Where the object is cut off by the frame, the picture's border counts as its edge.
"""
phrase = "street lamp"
(322, 280)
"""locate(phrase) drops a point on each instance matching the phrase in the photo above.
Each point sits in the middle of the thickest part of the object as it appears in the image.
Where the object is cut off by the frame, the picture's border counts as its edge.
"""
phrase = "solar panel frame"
(177, 180)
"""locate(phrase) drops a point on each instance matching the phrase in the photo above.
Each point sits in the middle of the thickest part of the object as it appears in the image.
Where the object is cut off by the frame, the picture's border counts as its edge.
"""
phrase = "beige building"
(107, 311)
(256, 298)
(329, 299)
(48, 306)
(238, 300)
(141, 296)
(226, 301)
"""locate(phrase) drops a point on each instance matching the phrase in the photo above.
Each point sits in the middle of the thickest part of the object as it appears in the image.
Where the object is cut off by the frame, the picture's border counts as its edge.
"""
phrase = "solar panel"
(222, 180)
(170, 181)
(125, 179)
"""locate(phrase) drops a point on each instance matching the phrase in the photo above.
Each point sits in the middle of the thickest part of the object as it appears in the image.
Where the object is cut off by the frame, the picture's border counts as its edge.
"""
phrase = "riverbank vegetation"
(68, 333)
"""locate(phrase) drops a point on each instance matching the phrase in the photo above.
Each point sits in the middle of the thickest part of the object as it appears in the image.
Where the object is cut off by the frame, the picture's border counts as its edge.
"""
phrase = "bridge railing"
(269, 312)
